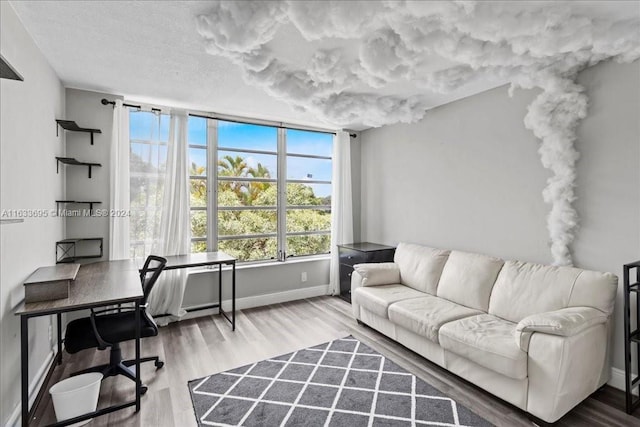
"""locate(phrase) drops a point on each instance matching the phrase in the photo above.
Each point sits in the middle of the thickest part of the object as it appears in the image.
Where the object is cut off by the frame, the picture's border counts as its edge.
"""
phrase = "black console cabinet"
(358, 253)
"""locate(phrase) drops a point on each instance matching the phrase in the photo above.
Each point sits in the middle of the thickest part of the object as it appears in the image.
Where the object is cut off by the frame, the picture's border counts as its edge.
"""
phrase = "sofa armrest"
(384, 273)
(565, 322)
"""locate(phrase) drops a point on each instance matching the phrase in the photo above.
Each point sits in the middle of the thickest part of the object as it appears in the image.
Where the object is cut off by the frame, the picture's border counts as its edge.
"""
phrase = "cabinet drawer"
(345, 278)
(349, 257)
(381, 256)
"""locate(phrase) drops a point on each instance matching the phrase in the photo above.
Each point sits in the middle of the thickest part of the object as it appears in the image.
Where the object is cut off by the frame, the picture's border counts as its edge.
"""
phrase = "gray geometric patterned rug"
(339, 383)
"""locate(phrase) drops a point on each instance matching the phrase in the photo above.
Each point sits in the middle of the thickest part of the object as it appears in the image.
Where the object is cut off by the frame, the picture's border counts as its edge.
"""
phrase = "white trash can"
(76, 396)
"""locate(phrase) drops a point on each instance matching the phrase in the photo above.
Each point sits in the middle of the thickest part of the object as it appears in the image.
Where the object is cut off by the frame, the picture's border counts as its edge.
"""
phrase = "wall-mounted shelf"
(66, 250)
(72, 126)
(76, 202)
(7, 71)
(72, 161)
(11, 220)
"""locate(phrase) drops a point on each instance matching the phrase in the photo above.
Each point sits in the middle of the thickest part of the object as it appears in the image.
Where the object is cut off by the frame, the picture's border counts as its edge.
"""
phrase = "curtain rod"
(105, 101)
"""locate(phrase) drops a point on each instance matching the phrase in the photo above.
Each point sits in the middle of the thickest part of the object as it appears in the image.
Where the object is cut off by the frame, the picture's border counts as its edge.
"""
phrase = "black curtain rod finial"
(105, 101)
(353, 135)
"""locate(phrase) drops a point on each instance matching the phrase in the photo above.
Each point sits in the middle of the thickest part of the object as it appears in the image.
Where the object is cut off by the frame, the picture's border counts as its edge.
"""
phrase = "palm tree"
(257, 188)
(233, 167)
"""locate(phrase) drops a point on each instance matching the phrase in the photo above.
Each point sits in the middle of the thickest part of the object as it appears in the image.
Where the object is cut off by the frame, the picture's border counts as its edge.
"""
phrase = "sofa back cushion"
(523, 289)
(420, 266)
(467, 279)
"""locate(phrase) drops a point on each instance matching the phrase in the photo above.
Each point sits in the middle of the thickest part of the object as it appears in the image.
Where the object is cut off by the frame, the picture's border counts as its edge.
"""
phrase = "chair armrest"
(565, 322)
(384, 273)
(102, 344)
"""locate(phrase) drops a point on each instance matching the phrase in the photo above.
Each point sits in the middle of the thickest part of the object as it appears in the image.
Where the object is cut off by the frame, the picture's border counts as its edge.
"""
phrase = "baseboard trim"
(34, 387)
(618, 380)
(261, 300)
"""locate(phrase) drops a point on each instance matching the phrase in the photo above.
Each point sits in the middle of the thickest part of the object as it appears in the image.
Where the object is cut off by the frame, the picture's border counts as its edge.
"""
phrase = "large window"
(257, 192)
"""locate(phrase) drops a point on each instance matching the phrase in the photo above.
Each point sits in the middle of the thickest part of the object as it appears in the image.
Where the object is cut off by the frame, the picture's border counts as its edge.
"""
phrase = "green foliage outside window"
(239, 192)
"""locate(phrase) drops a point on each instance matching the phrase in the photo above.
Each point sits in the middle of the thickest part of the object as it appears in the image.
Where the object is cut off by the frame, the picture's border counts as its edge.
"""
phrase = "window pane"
(308, 245)
(308, 220)
(245, 193)
(197, 131)
(198, 197)
(198, 223)
(311, 169)
(252, 249)
(237, 223)
(247, 165)
(147, 158)
(148, 126)
(198, 247)
(305, 142)
(198, 161)
(242, 135)
(308, 194)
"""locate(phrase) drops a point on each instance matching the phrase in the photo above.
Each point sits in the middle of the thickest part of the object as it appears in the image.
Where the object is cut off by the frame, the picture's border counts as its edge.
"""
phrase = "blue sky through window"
(152, 127)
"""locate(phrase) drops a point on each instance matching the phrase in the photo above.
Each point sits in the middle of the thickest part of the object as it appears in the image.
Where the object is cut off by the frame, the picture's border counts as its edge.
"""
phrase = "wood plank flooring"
(199, 347)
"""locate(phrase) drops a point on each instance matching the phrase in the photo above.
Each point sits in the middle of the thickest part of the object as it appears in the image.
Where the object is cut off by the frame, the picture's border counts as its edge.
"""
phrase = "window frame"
(281, 208)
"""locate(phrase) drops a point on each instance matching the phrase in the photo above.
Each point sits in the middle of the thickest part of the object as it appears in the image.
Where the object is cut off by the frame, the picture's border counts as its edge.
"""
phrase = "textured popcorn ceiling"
(344, 64)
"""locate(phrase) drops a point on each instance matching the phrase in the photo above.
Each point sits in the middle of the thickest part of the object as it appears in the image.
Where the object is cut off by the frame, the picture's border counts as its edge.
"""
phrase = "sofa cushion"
(427, 314)
(488, 341)
(420, 266)
(374, 274)
(524, 288)
(378, 298)
(468, 278)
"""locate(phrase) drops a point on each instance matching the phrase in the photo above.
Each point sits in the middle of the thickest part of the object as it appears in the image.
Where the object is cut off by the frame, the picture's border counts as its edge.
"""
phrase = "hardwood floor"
(199, 347)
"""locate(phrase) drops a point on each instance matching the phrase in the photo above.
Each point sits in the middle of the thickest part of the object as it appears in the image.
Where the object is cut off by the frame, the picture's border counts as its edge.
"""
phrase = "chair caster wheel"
(143, 389)
(159, 364)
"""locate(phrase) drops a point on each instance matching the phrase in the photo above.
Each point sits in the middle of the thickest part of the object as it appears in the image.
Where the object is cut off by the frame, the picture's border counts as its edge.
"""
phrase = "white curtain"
(341, 204)
(119, 247)
(175, 228)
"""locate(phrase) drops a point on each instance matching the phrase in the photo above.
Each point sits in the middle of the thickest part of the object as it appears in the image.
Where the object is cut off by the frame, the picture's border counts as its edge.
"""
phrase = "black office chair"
(111, 326)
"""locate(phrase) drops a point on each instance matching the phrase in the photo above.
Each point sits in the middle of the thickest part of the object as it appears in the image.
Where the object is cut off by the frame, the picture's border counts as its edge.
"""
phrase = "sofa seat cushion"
(424, 316)
(377, 299)
(488, 341)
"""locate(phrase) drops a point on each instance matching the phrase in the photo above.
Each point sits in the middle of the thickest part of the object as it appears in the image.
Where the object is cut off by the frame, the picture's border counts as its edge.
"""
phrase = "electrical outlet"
(303, 276)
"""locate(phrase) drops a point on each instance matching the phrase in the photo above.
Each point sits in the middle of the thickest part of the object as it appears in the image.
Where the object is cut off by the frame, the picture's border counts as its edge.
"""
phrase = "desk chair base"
(117, 366)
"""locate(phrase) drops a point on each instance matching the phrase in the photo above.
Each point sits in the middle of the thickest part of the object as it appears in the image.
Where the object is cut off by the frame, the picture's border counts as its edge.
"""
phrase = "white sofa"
(534, 335)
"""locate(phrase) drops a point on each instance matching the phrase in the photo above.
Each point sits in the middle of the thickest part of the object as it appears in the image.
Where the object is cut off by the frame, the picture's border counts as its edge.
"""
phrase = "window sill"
(262, 264)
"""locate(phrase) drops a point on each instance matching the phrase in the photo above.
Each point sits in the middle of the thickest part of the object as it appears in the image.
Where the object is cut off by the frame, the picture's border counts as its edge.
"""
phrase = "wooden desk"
(210, 258)
(97, 285)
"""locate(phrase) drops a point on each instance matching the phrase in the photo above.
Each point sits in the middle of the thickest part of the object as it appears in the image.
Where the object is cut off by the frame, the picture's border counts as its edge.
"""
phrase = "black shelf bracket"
(76, 202)
(72, 126)
(631, 337)
(72, 161)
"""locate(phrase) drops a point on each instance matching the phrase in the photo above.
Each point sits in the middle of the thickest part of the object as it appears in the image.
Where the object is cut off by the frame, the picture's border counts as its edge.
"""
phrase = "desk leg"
(233, 296)
(138, 380)
(24, 366)
(59, 322)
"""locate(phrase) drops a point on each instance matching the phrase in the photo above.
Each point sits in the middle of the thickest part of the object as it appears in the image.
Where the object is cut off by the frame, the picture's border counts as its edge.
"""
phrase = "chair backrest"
(150, 272)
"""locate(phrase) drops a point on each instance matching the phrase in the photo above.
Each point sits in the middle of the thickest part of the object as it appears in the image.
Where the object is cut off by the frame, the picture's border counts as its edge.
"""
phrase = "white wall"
(468, 177)
(28, 180)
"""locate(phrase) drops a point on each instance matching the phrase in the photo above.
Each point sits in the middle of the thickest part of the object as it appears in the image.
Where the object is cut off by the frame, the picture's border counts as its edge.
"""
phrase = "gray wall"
(28, 147)
(468, 177)
(85, 108)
